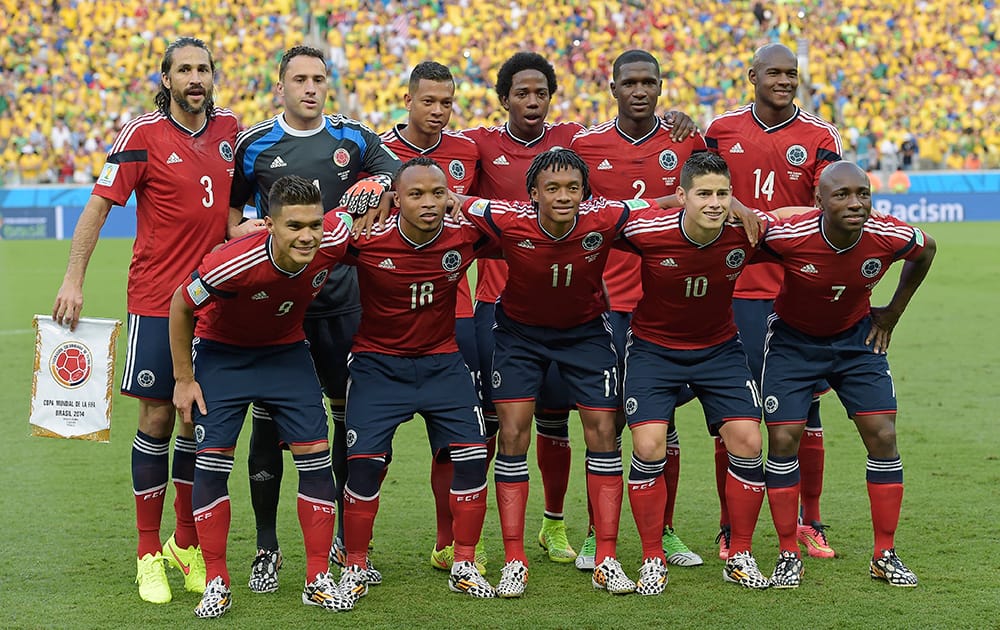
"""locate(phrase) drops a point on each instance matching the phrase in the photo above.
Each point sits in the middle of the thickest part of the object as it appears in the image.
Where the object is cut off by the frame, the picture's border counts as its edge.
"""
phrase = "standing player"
(634, 155)
(428, 102)
(824, 327)
(405, 361)
(187, 139)
(775, 153)
(251, 297)
(683, 334)
(330, 151)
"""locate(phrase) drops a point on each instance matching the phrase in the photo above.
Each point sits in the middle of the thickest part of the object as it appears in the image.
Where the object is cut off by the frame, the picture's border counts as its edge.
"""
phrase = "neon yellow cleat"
(189, 562)
(152, 579)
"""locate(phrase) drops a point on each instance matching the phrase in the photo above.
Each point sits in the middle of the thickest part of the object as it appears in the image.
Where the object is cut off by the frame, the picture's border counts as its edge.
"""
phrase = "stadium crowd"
(909, 84)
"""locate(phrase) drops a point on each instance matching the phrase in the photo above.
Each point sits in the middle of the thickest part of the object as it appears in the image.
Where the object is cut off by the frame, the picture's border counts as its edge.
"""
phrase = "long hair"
(162, 98)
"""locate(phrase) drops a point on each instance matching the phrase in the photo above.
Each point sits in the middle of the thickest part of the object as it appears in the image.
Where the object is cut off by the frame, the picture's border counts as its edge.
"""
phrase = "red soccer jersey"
(553, 282)
(688, 302)
(772, 167)
(242, 298)
(408, 291)
(181, 182)
(458, 156)
(503, 164)
(826, 290)
(622, 167)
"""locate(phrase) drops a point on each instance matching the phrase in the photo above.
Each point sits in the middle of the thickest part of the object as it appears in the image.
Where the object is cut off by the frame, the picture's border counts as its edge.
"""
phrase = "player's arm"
(366, 223)
(187, 392)
(790, 211)
(69, 299)
(884, 318)
(236, 226)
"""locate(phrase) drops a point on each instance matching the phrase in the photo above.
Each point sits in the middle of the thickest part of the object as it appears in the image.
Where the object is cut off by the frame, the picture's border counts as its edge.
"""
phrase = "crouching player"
(251, 297)
(682, 333)
(824, 327)
(405, 360)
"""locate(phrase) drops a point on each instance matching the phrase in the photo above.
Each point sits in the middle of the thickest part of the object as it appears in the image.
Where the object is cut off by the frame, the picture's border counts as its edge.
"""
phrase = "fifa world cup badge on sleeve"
(73, 379)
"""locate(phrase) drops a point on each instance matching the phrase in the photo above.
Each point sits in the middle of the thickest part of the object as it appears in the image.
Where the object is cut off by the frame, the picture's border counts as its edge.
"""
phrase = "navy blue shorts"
(149, 371)
(553, 397)
(585, 356)
(656, 377)
(330, 340)
(385, 391)
(279, 378)
(796, 364)
(465, 336)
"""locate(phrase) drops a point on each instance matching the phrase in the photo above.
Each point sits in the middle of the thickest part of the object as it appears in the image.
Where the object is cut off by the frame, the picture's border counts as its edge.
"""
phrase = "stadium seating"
(882, 71)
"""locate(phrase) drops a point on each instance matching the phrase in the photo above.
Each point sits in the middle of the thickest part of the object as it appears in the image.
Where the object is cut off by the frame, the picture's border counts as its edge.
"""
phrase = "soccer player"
(775, 153)
(634, 155)
(332, 152)
(405, 361)
(683, 333)
(824, 327)
(552, 310)
(250, 298)
(178, 160)
(428, 102)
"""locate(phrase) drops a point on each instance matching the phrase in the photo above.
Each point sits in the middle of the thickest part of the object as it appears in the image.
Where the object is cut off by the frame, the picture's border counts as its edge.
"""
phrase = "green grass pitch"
(67, 528)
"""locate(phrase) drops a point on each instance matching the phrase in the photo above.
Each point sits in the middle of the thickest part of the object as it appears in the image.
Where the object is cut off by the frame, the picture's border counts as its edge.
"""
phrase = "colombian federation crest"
(199, 433)
(341, 157)
(736, 258)
(226, 151)
(796, 155)
(771, 404)
(871, 267)
(592, 241)
(451, 260)
(320, 278)
(631, 405)
(456, 169)
(668, 160)
(71, 364)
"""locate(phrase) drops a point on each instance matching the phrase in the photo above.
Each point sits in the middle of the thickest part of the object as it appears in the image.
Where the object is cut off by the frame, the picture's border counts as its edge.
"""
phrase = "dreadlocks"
(558, 160)
(162, 98)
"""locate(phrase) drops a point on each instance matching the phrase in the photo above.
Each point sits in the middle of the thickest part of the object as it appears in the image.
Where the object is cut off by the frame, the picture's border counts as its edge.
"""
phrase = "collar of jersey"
(836, 249)
(185, 130)
(298, 132)
(409, 241)
(687, 238)
(526, 143)
(781, 125)
(398, 131)
(538, 220)
(637, 141)
(274, 263)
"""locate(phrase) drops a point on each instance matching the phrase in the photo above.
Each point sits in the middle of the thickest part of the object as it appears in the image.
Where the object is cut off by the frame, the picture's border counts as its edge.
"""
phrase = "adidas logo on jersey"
(174, 159)
(810, 268)
(526, 244)
(501, 161)
(277, 162)
(386, 264)
(604, 166)
(737, 148)
(260, 295)
(668, 262)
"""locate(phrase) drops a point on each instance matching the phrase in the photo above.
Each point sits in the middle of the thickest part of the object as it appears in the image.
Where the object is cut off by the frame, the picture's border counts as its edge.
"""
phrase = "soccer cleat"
(586, 560)
(152, 579)
(324, 592)
(813, 538)
(653, 577)
(338, 553)
(465, 578)
(354, 583)
(215, 601)
(725, 534)
(264, 571)
(677, 552)
(890, 568)
(481, 557)
(552, 539)
(513, 579)
(188, 561)
(741, 568)
(610, 576)
(442, 559)
(788, 571)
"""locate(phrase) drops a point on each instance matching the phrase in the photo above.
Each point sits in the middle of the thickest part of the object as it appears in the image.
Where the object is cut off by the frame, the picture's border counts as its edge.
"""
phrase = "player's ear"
(269, 223)
(752, 76)
(407, 101)
(505, 103)
(395, 199)
(165, 79)
(681, 195)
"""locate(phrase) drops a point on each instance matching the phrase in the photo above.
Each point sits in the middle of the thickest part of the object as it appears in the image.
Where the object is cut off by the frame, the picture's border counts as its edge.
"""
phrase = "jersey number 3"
(209, 199)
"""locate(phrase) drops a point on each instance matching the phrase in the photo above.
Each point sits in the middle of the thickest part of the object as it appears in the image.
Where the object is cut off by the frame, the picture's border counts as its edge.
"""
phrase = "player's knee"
(782, 440)
(744, 441)
(469, 467)
(156, 418)
(364, 475)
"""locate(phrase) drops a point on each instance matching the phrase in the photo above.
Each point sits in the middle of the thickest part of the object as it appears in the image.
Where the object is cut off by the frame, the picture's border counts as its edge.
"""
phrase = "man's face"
(558, 194)
(845, 196)
(190, 79)
(775, 78)
(637, 89)
(422, 197)
(296, 232)
(528, 101)
(706, 200)
(430, 106)
(303, 89)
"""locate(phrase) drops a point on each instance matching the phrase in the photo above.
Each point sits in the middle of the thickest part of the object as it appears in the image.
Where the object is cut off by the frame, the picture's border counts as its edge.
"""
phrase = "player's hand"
(369, 222)
(68, 305)
(187, 394)
(454, 206)
(753, 225)
(247, 227)
(365, 194)
(883, 322)
(681, 125)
